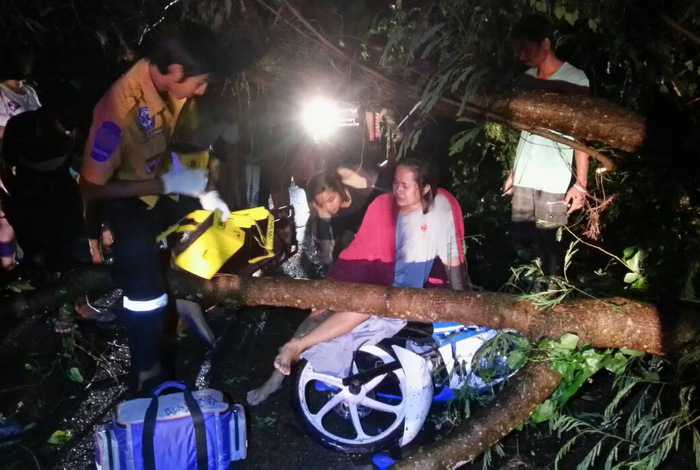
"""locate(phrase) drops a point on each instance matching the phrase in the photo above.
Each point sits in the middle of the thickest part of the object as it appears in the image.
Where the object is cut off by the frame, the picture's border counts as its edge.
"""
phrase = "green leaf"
(630, 278)
(616, 363)
(593, 360)
(544, 412)
(593, 25)
(60, 437)
(650, 376)
(631, 352)
(629, 252)
(462, 138)
(568, 341)
(75, 375)
(559, 11)
(571, 17)
(516, 359)
(634, 263)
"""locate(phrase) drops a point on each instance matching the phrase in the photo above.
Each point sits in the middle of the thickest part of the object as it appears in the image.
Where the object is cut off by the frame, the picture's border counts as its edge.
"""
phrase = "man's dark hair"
(16, 62)
(191, 45)
(535, 28)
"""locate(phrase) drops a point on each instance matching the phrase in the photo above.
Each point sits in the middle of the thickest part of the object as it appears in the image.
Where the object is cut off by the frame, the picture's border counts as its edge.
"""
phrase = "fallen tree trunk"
(512, 407)
(605, 323)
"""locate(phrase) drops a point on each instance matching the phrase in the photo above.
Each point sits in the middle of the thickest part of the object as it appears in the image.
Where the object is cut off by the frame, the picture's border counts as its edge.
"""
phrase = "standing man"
(128, 165)
(545, 183)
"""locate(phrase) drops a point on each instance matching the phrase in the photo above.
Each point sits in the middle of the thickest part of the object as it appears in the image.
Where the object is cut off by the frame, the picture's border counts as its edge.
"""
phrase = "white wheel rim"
(352, 401)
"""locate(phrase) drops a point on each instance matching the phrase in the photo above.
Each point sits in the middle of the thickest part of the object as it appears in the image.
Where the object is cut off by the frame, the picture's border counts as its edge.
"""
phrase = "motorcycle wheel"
(360, 423)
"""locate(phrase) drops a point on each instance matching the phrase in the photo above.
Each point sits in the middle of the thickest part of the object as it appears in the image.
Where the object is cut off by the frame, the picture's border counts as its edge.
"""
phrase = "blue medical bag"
(195, 430)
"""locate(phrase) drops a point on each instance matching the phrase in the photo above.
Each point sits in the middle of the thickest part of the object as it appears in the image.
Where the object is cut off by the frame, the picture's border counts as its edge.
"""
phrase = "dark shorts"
(545, 210)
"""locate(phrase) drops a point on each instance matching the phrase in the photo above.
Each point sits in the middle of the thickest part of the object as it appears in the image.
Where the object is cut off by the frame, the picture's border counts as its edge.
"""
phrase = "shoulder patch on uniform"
(145, 120)
(107, 139)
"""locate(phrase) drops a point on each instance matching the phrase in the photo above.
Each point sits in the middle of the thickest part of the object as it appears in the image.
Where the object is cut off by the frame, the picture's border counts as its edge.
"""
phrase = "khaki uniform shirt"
(130, 133)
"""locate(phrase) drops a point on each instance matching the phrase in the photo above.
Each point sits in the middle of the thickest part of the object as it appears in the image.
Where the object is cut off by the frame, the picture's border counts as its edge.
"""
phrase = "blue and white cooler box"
(185, 430)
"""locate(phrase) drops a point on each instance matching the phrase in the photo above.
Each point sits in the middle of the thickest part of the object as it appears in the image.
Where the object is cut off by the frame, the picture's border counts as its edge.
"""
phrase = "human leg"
(139, 271)
(274, 382)
(550, 214)
(334, 326)
(523, 219)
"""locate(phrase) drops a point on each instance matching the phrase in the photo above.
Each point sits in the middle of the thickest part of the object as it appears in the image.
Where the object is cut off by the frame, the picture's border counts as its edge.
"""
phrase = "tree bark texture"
(513, 405)
(584, 117)
(607, 323)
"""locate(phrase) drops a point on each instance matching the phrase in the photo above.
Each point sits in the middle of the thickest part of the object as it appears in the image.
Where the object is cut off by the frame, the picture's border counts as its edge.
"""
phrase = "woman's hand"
(352, 178)
(321, 212)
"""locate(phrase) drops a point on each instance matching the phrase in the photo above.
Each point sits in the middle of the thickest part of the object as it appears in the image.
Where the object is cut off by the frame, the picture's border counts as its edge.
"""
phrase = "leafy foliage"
(637, 433)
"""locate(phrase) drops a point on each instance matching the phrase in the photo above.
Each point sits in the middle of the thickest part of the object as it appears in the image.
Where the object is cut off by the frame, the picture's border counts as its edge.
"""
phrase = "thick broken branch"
(512, 407)
(584, 118)
(606, 323)
(609, 323)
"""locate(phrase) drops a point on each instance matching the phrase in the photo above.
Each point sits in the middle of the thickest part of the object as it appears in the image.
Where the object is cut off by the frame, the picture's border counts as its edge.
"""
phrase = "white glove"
(181, 180)
(211, 201)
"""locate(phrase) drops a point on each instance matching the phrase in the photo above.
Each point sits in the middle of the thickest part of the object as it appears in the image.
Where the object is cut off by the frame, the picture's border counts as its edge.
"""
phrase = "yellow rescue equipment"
(203, 244)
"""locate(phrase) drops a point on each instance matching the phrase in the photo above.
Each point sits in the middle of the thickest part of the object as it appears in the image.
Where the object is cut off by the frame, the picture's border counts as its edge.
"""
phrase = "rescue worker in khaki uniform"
(128, 165)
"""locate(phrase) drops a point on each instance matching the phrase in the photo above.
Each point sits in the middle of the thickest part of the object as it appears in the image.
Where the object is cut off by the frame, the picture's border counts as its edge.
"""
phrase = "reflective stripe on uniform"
(145, 305)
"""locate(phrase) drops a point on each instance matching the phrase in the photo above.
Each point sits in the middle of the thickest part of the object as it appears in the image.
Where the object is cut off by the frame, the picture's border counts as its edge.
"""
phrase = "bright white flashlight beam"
(321, 117)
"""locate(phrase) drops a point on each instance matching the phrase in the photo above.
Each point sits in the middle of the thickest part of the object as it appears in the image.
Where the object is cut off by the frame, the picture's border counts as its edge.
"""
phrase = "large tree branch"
(607, 323)
(512, 407)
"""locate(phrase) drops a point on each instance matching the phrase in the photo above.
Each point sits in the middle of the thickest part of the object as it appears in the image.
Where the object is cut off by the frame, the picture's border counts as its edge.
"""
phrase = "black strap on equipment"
(200, 433)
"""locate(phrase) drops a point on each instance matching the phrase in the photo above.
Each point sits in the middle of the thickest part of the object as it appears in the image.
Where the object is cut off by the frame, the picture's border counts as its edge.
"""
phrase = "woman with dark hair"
(339, 199)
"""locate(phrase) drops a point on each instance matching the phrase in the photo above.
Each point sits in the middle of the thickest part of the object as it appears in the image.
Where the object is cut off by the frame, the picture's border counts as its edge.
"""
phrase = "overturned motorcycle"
(385, 400)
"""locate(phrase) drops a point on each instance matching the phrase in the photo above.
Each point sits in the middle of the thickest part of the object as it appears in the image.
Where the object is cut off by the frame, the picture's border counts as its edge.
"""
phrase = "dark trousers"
(140, 270)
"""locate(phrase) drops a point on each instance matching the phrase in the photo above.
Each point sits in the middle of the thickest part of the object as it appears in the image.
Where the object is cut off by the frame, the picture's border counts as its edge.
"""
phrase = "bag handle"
(149, 427)
(168, 384)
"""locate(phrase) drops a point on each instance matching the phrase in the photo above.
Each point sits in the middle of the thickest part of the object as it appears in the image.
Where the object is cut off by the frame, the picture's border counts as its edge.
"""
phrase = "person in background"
(549, 180)
(45, 206)
(127, 168)
(16, 97)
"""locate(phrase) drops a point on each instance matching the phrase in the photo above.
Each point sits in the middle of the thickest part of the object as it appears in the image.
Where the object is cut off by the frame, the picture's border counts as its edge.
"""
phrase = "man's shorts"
(546, 210)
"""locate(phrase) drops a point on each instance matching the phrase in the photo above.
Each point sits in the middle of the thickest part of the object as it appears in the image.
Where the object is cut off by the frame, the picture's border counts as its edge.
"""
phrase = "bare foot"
(271, 385)
(286, 356)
